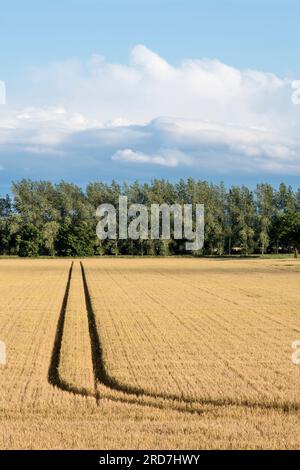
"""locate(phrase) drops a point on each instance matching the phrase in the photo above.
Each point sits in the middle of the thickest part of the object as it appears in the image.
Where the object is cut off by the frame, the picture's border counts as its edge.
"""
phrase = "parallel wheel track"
(118, 392)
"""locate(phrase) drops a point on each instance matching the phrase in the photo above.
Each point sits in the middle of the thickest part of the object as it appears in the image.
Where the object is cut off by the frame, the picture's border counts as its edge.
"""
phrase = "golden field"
(149, 354)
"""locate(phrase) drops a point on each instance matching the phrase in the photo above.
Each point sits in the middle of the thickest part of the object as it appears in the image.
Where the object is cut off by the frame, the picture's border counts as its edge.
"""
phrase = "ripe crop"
(149, 353)
(198, 331)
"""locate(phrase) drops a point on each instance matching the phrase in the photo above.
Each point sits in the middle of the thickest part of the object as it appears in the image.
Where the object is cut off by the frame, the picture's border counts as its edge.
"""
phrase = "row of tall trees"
(46, 219)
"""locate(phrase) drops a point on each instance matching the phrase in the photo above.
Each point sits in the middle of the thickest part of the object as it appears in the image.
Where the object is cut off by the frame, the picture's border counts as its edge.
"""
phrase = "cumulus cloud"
(199, 115)
(164, 157)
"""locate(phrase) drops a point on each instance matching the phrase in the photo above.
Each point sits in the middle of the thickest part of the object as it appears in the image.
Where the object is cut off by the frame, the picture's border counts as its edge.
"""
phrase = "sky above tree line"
(130, 89)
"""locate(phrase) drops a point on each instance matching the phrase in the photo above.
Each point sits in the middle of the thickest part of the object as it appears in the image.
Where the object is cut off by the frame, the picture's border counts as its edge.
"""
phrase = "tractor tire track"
(111, 389)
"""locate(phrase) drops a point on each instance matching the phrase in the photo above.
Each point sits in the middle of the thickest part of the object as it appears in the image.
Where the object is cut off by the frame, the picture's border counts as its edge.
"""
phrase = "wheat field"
(163, 353)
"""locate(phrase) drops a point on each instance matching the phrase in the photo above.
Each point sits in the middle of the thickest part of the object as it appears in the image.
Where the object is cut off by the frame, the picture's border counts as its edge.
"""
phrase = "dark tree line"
(46, 219)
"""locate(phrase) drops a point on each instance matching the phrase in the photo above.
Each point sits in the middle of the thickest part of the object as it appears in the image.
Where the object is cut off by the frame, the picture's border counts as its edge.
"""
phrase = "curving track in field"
(103, 385)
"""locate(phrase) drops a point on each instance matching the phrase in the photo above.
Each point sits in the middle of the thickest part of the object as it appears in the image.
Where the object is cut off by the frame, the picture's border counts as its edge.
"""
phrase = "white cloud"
(201, 114)
(164, 157)
(152, 64)
(149, 87)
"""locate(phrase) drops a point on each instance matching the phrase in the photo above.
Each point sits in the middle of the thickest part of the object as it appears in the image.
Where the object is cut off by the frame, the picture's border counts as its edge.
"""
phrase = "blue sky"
(260, 34)
(124, 89)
